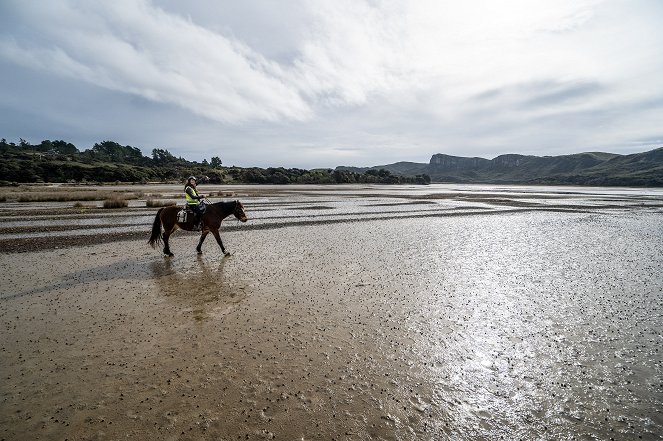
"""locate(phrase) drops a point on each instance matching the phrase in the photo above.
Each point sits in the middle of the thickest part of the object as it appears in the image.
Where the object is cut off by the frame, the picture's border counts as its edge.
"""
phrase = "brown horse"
(211, 222)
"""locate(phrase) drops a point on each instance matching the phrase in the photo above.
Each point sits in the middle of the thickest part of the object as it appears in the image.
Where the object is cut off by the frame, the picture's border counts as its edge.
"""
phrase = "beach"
(343, 312)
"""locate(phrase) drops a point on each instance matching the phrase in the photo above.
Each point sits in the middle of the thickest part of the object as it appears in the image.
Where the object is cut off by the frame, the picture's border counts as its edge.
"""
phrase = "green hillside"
(591, 168)
(108, 161)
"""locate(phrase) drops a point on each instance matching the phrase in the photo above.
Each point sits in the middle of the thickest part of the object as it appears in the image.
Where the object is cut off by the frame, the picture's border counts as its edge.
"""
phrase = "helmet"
(192, 177)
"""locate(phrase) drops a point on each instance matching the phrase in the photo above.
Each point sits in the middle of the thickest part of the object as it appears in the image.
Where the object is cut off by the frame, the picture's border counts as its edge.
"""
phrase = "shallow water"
(505, 322)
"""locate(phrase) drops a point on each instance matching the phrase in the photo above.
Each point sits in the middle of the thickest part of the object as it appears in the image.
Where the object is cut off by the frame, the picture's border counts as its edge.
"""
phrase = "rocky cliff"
(590, 168)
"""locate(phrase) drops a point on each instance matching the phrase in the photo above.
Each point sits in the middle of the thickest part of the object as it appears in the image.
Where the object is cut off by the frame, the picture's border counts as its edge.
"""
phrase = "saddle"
(183, 214)
(187, 213)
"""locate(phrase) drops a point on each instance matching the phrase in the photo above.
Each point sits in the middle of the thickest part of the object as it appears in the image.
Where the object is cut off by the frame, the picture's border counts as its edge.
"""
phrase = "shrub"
(115, 202)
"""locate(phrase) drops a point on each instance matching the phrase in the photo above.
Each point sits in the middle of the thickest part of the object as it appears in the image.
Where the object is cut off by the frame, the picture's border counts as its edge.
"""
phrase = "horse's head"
(239, 211)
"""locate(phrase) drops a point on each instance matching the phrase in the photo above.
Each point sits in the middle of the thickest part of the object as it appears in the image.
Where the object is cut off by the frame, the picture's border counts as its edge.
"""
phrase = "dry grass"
(159, 203)
(73, 193)
(61, 194)
(221, 194)
(62, 197)
(82, 205)
(115, 202)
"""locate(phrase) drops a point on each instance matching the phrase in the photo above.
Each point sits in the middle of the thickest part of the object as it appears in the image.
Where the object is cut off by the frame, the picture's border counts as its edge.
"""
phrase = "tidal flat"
(344, 312)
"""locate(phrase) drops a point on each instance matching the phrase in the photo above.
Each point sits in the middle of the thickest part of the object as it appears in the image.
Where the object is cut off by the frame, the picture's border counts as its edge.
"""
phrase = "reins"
(235, 204)
(235, 210)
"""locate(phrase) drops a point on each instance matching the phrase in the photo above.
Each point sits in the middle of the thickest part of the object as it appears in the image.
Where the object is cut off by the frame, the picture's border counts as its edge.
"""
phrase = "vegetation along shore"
(108, 161)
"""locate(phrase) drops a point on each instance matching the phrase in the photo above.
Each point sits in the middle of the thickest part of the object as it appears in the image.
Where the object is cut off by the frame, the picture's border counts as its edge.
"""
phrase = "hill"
(108, 161)
(591, 168)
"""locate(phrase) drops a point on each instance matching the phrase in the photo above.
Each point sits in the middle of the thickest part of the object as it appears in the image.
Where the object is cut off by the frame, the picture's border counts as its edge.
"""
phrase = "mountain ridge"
(586, 168)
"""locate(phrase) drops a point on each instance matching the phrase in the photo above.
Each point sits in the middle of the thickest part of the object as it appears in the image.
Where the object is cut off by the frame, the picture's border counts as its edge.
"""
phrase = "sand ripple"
(401, 320)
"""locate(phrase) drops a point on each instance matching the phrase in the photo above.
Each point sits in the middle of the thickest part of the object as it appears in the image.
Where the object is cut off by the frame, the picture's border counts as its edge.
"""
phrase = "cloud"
(137, 48)
(350, 51)
(353, 79)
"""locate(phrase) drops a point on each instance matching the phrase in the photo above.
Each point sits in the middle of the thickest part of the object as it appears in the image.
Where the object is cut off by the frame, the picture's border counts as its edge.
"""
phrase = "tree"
(215, 162)
(112, 151)
(45, 146)
(422, 179)
(162, 156)
(65, 148)
(62, 147)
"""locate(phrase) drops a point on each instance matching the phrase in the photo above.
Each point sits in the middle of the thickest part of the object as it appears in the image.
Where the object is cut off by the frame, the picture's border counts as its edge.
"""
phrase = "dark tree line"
(282, 175)
(108, 161)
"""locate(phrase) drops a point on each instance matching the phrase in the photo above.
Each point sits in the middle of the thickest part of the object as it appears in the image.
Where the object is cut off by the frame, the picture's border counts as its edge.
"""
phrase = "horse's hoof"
(168, 255)
(199, 252)
(226, 254)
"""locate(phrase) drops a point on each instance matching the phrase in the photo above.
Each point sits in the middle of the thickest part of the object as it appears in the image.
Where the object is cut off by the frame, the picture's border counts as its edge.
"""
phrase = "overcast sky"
(324, 83)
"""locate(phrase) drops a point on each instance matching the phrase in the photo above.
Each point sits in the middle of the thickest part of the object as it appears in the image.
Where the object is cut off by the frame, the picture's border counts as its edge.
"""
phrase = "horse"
(210, 222)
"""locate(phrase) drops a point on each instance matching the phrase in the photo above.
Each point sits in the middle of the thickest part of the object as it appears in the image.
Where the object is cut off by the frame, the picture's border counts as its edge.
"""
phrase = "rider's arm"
(191, 193)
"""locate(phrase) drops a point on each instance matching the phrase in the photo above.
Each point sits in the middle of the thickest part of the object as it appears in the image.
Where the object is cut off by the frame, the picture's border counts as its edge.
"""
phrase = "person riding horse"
(167, 217)
(193, 201)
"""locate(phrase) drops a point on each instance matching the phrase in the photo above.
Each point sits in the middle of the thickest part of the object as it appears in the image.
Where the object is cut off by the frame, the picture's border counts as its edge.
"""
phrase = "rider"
(193, 201)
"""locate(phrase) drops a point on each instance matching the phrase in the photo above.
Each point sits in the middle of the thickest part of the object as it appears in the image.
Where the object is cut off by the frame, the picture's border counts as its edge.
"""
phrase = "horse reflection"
(197, 287)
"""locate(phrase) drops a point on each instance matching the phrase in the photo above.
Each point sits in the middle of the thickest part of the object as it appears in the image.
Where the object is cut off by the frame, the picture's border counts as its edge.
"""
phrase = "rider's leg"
(198, 217)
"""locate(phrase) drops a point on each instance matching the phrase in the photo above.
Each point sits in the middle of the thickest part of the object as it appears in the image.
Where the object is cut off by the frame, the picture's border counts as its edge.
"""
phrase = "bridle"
(239, 212)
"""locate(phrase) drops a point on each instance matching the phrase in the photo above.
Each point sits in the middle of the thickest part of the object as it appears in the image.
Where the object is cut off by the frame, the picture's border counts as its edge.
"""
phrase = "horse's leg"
(166, 248)
(200, 244)
(215, 232)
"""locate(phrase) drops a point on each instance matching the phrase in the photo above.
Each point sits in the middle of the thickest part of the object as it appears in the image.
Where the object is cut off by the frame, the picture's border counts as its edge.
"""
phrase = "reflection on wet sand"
(199, 287)
(527, 323)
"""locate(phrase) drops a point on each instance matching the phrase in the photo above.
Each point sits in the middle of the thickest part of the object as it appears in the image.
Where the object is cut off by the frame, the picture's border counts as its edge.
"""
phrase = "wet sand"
(344, 313)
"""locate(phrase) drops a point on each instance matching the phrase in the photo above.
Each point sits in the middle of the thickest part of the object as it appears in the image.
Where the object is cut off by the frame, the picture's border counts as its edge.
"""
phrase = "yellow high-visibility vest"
(189, 199)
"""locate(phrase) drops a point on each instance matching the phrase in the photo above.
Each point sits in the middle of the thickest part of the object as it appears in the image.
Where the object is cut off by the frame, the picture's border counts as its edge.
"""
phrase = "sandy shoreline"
(522, 324)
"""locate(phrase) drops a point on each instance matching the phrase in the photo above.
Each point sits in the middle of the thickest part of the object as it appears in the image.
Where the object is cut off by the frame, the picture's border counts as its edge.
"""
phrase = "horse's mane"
(225, 205)
(223, 209)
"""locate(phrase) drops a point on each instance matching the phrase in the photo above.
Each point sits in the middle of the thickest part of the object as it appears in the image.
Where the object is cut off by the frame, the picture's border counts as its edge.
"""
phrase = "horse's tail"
(155, 238)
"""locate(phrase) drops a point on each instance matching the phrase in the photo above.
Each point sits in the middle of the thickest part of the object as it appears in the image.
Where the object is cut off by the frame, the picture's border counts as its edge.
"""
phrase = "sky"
(322, 83)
